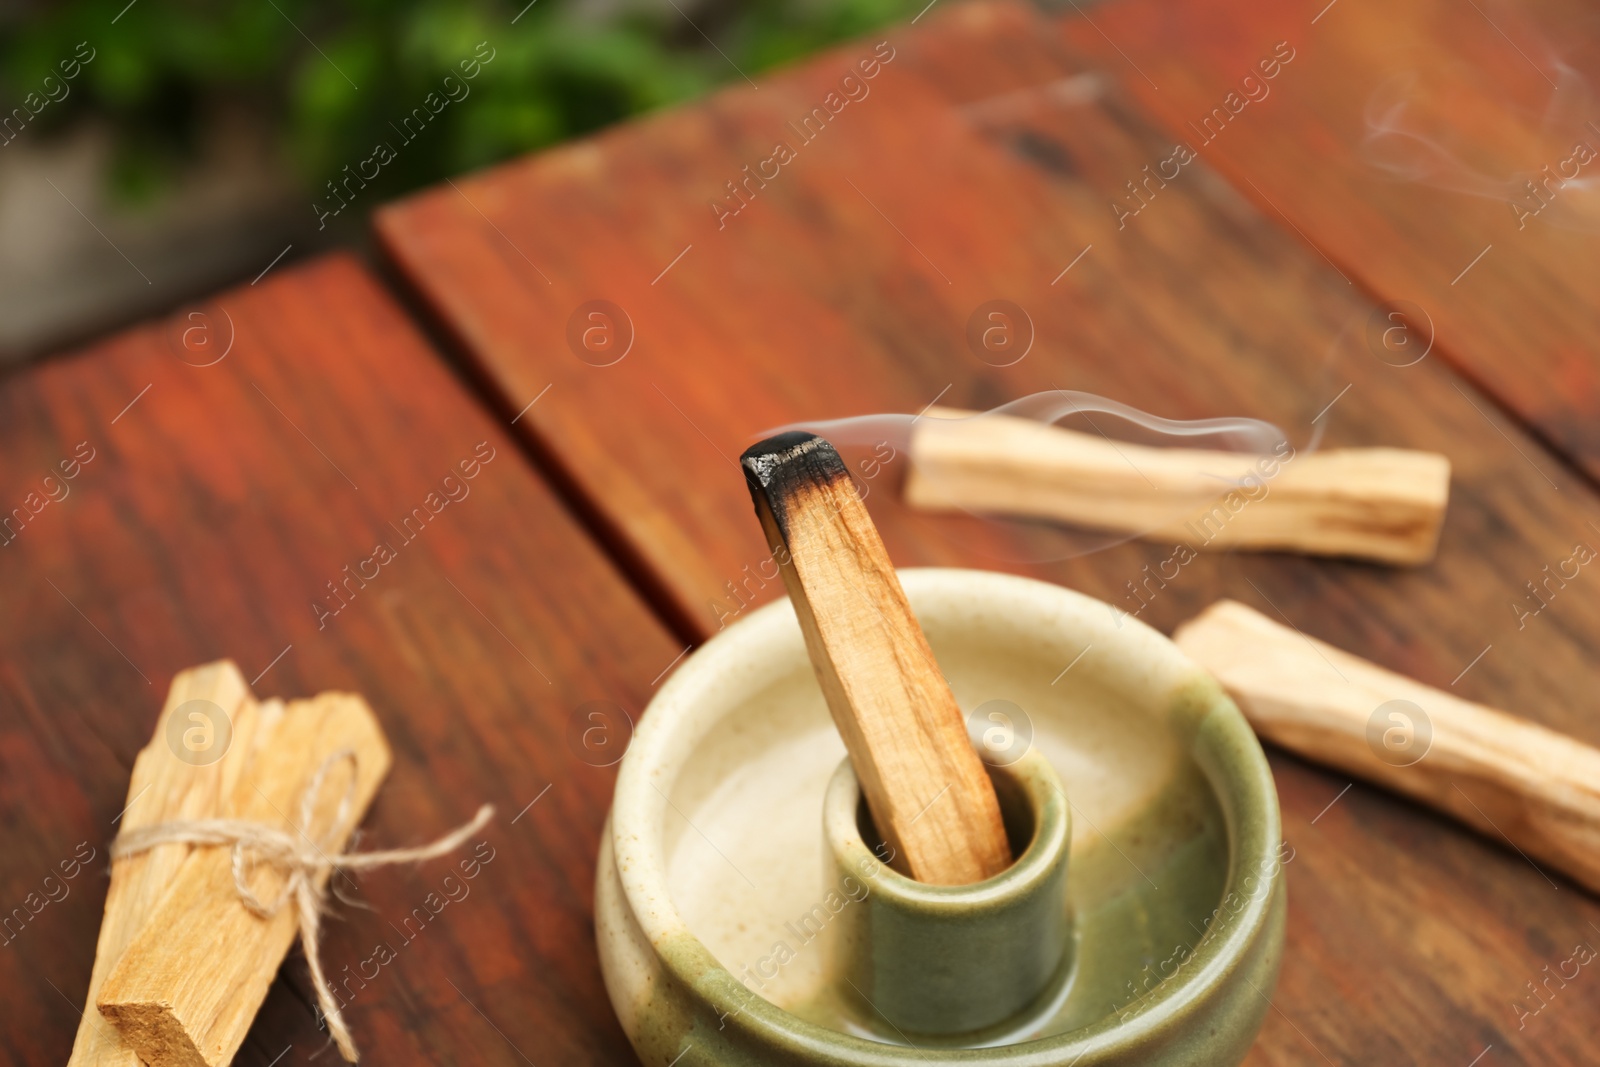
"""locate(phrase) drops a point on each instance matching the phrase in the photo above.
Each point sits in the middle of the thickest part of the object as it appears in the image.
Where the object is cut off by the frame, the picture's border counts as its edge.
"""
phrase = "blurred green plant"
(327, 79)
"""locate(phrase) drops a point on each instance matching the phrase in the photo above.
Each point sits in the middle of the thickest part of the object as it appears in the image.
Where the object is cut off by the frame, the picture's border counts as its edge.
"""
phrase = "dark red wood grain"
(219, 502)
(982, 164)
(1498, 91)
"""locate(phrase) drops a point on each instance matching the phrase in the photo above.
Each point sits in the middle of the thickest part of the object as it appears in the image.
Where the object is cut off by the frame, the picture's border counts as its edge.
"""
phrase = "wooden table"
(986, 160)
(218, 502)
(1416, 134)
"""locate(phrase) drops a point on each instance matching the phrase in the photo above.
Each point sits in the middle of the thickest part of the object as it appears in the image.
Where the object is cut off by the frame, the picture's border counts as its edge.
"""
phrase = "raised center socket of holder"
(952, 960)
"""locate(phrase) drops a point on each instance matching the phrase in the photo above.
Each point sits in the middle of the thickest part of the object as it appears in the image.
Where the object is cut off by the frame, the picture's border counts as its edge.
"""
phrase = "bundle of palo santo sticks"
(238, 812)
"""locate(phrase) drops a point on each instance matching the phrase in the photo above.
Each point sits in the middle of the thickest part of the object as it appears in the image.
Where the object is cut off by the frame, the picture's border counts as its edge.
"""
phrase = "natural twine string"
(304, 864)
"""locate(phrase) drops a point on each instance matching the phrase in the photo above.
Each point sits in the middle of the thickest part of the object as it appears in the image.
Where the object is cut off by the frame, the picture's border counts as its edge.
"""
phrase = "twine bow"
(305, 864)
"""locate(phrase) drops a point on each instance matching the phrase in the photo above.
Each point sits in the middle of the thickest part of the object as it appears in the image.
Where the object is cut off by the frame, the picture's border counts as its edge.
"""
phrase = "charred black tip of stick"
(767, 453)
(785, 463)
(791, 458)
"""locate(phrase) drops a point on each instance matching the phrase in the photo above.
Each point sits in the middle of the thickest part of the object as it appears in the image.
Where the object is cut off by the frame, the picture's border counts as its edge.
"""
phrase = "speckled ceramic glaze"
(729, 932)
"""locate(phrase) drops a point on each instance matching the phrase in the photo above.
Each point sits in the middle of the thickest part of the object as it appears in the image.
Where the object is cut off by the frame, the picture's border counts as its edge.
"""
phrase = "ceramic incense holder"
(745, 914)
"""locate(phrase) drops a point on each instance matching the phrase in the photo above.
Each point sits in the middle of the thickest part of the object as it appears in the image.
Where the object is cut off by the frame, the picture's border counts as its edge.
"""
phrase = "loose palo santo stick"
(1505, 777)
(923, 781)
(164, 786)
(1385, 504)
(189, 985)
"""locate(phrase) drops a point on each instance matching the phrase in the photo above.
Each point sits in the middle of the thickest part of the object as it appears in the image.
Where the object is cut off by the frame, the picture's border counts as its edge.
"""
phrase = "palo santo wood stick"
(189, 985)
(1385, 504)
(923, 781)
(1504, 776)
(165, 786)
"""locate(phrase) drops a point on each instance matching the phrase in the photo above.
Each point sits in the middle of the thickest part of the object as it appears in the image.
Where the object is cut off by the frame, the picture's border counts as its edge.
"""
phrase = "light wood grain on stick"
(1385, 504)
(1513, 780)
(923, 781)
(164, 786)
(189, 985)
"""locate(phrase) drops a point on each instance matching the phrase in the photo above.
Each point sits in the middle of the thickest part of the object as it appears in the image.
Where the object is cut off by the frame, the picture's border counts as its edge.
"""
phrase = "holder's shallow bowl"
(713, 891)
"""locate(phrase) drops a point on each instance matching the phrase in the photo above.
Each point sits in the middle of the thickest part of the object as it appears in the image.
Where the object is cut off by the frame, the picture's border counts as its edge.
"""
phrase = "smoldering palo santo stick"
(923, 781)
